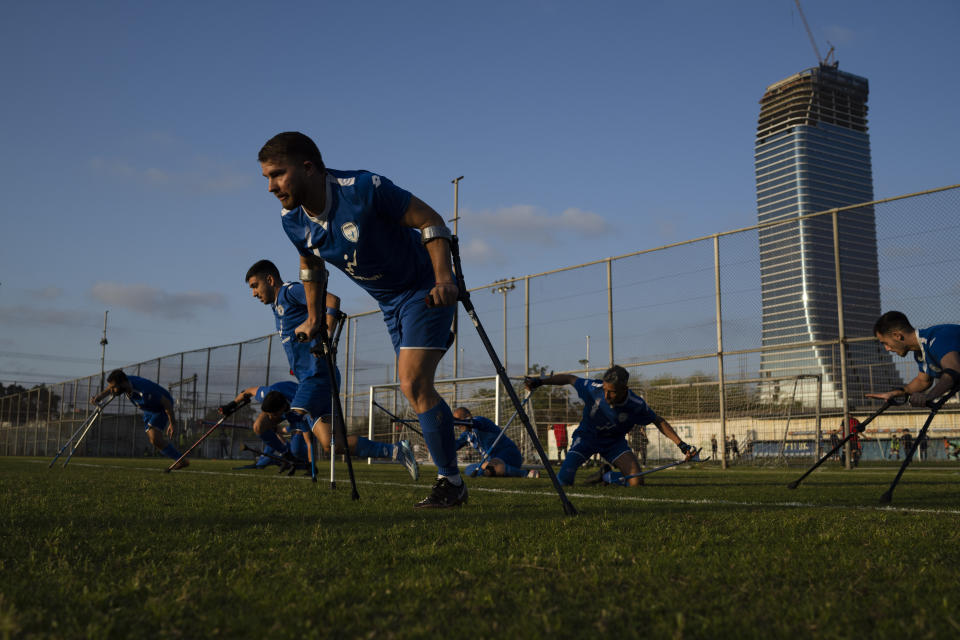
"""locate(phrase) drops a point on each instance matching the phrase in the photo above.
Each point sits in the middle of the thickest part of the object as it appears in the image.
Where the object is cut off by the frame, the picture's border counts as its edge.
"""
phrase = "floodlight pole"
(103, 350)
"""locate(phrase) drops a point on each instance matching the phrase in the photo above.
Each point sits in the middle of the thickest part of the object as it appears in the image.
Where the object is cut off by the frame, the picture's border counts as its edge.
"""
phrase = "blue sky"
(130, 133)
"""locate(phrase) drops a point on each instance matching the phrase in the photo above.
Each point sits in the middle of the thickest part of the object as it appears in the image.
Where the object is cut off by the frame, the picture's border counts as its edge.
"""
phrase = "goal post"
(482, 395)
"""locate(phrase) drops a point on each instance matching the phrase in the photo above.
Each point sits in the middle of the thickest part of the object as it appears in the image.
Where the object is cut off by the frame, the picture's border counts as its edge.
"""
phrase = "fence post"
(610, 309)
(841, 338)
(721, 389)
(526, 325)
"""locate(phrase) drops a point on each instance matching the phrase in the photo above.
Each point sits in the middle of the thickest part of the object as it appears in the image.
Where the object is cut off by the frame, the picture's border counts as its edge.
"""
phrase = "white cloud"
(527, 223)
(150, 300)
(201, 177)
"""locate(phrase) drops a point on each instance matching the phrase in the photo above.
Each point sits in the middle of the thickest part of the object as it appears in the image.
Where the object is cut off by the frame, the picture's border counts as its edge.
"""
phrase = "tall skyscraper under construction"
(813, 154)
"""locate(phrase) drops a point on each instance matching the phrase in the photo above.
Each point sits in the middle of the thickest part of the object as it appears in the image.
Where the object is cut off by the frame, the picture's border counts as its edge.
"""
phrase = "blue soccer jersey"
(482, 436)
(289, 312)
(601, 419)
(288, 389)
(360, 232)
(148, 394)
(936, 342)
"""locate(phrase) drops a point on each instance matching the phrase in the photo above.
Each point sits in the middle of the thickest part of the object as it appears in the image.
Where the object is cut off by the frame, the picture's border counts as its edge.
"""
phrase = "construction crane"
(813, 42)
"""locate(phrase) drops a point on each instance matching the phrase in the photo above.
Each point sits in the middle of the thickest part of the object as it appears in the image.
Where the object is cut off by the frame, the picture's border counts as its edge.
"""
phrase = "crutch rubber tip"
(886, 498)
(166, 470)
(355, 496)
(793, 485)
(569, 509)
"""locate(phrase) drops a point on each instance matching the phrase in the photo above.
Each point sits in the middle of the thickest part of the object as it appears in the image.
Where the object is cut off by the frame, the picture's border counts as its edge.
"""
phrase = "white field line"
(584, 496)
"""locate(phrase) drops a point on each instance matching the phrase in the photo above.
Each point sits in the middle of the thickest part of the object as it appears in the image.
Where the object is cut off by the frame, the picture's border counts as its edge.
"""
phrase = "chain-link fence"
(761, 335)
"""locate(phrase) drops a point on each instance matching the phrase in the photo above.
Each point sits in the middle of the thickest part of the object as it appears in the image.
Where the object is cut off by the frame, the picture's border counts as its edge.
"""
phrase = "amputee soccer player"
(313, 393)
(395, 247)
(503, 454)
(936, 350)
(610, 411)
(159, 418)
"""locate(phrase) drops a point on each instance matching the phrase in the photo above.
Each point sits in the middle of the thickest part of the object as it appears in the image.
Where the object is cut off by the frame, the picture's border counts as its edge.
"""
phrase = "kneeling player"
(275, 405)
(156, 404)
(503, 455)
(610, 411)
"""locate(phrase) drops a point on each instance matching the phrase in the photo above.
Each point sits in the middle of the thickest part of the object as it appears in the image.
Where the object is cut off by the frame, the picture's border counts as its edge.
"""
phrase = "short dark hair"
(617, 375)
(290, 145)
(274, 401)
(117, 376)
(263, 268)
(892, 321)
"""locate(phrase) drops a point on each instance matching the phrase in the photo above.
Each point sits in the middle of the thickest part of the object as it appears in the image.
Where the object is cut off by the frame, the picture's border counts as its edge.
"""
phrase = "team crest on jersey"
(622, 417)
(350, 231)
(279, 309)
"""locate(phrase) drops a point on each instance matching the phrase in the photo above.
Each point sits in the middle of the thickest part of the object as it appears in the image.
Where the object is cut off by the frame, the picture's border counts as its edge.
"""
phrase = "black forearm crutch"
(934, 408)
(226, 414)
(896, 400)
(408, 423)
(464, 297)
(327, 348)
(84, 427)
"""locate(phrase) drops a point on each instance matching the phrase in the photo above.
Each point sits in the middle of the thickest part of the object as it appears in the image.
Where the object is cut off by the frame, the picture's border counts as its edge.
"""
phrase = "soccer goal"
(390, 417)
(765, 421)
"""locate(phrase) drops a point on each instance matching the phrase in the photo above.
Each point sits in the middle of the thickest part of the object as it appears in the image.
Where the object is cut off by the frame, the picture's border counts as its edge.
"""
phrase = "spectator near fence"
(895, 446)
(560, 435)
(922, 444)
(906, 441)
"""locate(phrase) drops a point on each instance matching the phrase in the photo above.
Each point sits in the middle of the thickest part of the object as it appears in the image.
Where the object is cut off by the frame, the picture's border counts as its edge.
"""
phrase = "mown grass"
(112, 548)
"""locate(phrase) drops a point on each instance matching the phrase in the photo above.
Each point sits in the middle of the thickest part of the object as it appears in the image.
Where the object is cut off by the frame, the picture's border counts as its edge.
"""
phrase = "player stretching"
(936, 350)
(503, 455)
(156, 404)
(313, 394)
(396, 248)
(610, 411)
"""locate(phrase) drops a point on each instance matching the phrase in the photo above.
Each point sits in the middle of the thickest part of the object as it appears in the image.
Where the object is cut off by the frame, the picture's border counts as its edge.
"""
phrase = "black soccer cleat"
(444, 495)
(597, 478)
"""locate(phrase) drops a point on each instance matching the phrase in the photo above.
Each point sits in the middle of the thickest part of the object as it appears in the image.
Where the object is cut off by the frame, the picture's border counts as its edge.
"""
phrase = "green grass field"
(110, 548)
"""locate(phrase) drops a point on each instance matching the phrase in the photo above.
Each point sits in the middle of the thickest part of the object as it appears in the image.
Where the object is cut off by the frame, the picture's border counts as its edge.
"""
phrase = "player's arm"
(920, 383)
(949, 379)
(420, 215)
(313, 274)
(232, 406)
(667, 430)
(100, 396)
(171, 415)
(532, 382)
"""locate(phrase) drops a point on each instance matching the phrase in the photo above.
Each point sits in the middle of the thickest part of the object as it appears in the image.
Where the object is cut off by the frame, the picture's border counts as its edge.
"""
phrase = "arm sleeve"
(582, 387)
(389, 200)
(462, 441)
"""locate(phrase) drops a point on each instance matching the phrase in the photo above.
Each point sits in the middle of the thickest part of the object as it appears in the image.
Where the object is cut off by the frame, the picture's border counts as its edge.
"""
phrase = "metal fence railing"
(718, 312)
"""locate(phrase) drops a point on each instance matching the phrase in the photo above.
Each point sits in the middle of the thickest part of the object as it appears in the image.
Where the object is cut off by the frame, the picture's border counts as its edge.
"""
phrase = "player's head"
(289, 161)
(117, 381)
(893, 331)
(462, 413)
(275, 404)
(264, 280)
(615, 385)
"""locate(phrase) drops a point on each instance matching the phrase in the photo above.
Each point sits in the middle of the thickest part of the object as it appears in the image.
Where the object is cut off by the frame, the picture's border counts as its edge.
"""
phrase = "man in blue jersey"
(313, 394)
(159, 418)
(395, 247)
(610, 411)
(936, 350)
(503, 457)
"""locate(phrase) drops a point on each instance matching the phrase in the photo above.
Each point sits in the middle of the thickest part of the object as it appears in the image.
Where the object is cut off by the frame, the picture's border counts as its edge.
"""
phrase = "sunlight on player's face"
(287, 181)
(614, 394)
(263, 289)
(893, 342)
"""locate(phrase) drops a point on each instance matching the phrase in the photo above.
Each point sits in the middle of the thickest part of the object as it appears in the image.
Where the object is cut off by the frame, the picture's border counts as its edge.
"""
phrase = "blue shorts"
(155, 420)
(314, 397)
(609, 448)
(414, 325)
(511, 456)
